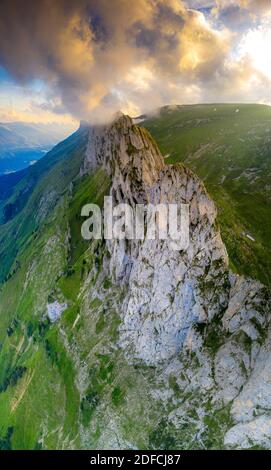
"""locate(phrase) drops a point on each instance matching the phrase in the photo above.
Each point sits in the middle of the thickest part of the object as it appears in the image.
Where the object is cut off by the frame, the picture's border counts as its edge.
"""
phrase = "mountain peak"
(123, 143)
(122, 119)
(139, 175)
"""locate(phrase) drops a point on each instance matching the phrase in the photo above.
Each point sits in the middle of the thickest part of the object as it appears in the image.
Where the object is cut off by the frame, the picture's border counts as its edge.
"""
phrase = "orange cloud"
(97, 56)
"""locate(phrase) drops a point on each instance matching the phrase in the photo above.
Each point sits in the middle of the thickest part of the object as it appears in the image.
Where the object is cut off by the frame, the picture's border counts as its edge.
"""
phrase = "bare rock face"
(256, 433)
(129, 154)
(167, 290)
(55, 310)
(176, 301)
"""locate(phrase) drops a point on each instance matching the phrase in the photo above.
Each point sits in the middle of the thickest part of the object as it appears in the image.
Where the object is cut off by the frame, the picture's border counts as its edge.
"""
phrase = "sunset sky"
(65, 60)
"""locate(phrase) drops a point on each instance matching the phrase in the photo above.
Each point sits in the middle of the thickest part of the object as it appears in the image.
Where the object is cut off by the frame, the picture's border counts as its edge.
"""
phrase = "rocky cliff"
(182, 305)
(116, 344)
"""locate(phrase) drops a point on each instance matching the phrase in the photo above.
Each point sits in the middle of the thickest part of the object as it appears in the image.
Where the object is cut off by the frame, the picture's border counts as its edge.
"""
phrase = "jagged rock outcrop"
(167, 290)
(177, 302)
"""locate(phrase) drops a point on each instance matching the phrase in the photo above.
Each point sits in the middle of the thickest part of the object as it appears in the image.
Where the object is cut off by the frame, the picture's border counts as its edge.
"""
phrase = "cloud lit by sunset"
(84, 59)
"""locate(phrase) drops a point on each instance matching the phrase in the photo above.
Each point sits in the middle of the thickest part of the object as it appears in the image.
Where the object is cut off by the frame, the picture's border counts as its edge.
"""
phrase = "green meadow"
(229, 148)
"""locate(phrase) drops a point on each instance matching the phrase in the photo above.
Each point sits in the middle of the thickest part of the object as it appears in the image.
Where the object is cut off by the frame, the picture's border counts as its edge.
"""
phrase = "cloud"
(254, 8)
(96, 56)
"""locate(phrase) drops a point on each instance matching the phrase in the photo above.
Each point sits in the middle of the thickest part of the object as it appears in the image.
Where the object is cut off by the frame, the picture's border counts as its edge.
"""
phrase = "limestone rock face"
(167, 290)
(179, 302)
(254, 433)
(128, 153)
(54, 310)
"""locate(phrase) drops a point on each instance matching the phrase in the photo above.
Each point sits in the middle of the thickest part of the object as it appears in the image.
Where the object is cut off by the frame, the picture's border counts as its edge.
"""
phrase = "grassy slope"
(37, 377)
(230, 150)
(31, 389)
(35, 195)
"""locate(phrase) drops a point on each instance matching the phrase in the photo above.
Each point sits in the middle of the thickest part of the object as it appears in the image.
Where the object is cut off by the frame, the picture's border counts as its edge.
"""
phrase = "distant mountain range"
(22, 144)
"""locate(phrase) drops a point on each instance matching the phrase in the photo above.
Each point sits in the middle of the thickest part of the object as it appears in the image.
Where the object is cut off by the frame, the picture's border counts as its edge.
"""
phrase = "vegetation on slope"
(27, 200)
(228, 146)
(37, 376)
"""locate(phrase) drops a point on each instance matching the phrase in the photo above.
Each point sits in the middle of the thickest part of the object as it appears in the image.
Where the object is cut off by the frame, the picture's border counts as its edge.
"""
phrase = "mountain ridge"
(155, 349)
